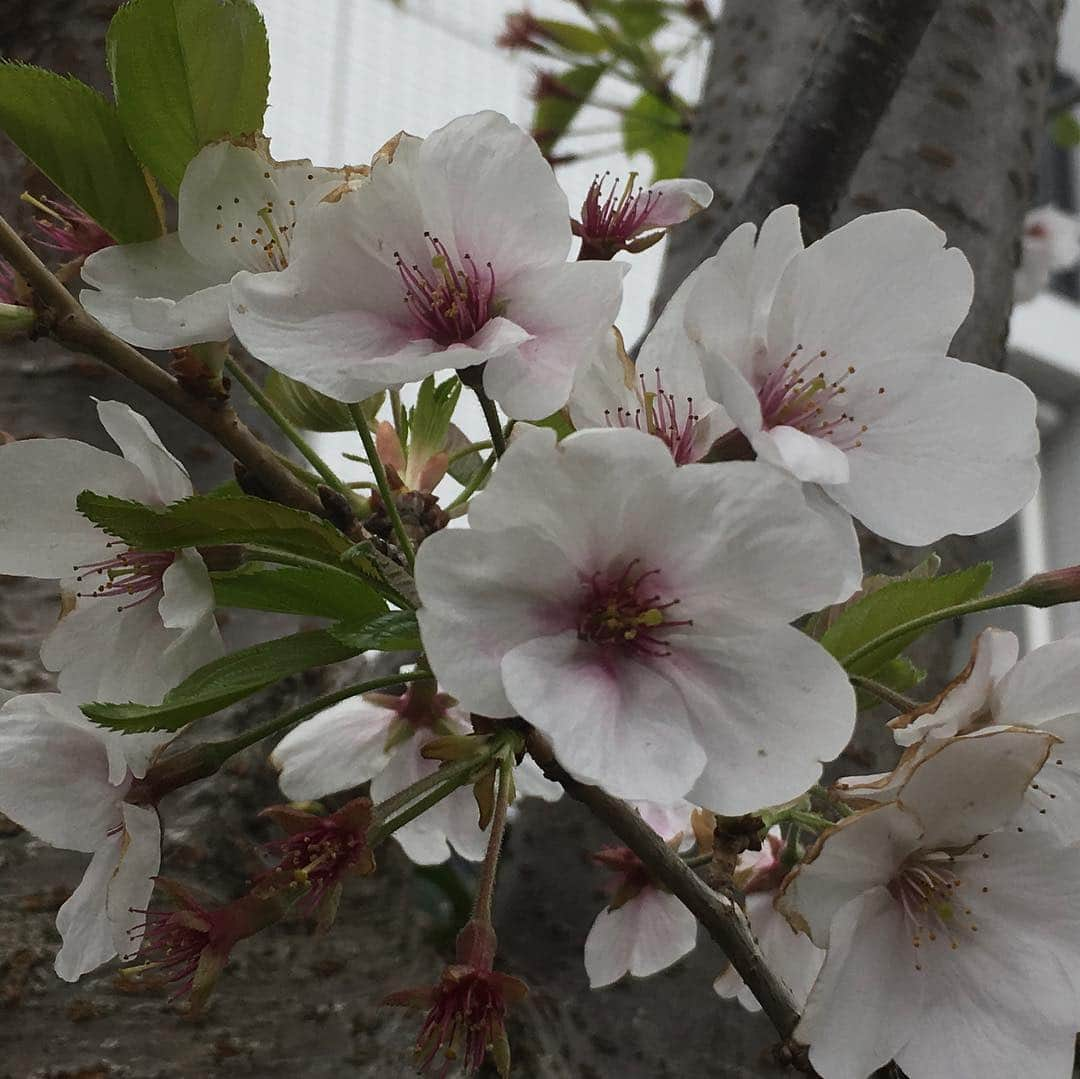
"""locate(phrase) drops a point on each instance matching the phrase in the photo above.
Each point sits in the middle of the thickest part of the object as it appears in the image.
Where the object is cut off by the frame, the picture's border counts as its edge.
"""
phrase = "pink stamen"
(131, 573)
(606, 219)
(661, 416)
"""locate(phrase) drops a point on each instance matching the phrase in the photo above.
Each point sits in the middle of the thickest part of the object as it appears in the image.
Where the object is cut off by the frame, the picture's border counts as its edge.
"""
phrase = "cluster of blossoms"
(632, 594)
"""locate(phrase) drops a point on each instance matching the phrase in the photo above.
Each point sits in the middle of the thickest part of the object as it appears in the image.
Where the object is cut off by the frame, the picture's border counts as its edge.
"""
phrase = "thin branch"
(63, 318)
(724, 920)
(833, 116)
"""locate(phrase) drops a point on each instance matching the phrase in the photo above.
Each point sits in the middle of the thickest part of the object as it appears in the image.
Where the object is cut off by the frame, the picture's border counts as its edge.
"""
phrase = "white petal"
(674, 201)
(82, 921)
(504, 201)
(42, 534)
(951, 448)
(55, 773)
(612, 720)
(867, 1001)
(644, 936)
(969, 786)
(155, 295)
(666, 819)
(604, 384)
(530, 782)
(462, 816)
(132, 883)
(882, 286)
(765, 737)
(333, 751)
(810, 459)
(167, 479)
(1043, 686)
(483, 594)
(567, 310)
(860, 853)
(422, 839)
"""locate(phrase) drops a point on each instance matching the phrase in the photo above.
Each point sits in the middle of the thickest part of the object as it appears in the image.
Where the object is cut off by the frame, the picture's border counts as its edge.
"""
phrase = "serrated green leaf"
(1065, 130)
(395, 631)
(210, 519)
(311, 410)
(186, 73)
(655, 128)
(899, 674)
(74, 136)
(322, 593)
(225, 681)
(892, 606)
(554, 114)
(574, 37)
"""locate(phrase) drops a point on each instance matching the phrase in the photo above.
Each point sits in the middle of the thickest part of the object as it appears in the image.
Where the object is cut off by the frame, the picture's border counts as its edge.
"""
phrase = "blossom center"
(173, 944)
(263, 234)
(618, 216)
(131, 573)
(451, 301)
(927, 887)
(626, 611)
(794, 394)
(659, 416)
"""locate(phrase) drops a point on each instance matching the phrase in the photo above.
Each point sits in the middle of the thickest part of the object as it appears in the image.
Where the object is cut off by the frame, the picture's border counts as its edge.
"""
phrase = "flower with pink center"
(1049, 244)
(951, 934)
(67, 229)
(68, 781)
(381, 738)
(238, 210)
(135, 623)
(466, 1008)
(644, 928)
(789, 954)
(452, 254)
(832, 365)
(637, 614)
(634, 219)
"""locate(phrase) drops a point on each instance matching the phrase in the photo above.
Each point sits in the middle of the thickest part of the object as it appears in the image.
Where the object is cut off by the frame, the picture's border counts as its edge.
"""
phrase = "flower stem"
(381, 482)
(472, 447)
(456, 774)
(199, 762)
(485, 890)
(480, 475)
(883, 693)
(255, 392)
(491, 414)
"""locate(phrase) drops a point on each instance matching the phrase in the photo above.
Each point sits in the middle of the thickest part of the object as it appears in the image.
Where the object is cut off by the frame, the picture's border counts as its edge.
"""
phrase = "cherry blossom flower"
(136, 623)
(452, 254)
(1050, 243)
(1042, 691)
(67, 782)
(238, 210)
(789, 954)
(379, 737)
(638, 614)
(644, 929)
(466, 1009)
(635, 219)
(951, 934)
(831, 362)
(67, 229)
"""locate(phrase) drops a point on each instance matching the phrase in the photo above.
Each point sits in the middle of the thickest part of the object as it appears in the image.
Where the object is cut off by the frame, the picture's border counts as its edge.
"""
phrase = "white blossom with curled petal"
(952, 935)
(452, 254)
(380, 738)
(832, 363)
(645, 929)
(789, 954)
(637, 613)
(136, 623)
(1049, 243)
(238, 210)
(66, 781)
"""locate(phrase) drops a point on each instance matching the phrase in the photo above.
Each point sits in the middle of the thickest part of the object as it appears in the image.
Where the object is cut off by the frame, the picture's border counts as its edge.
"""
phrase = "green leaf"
(559, 422)
(654, 127)
(554, 114)
(295, 590)
(637, 19)
(574, 38)
(893, 605)
(899, 674)
(312, 410)
(1065, 130)
(73, 135)
(210, 519)
(225, 681)
(395, 631)
(429, 419)
(186, 73)
(465, 467)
